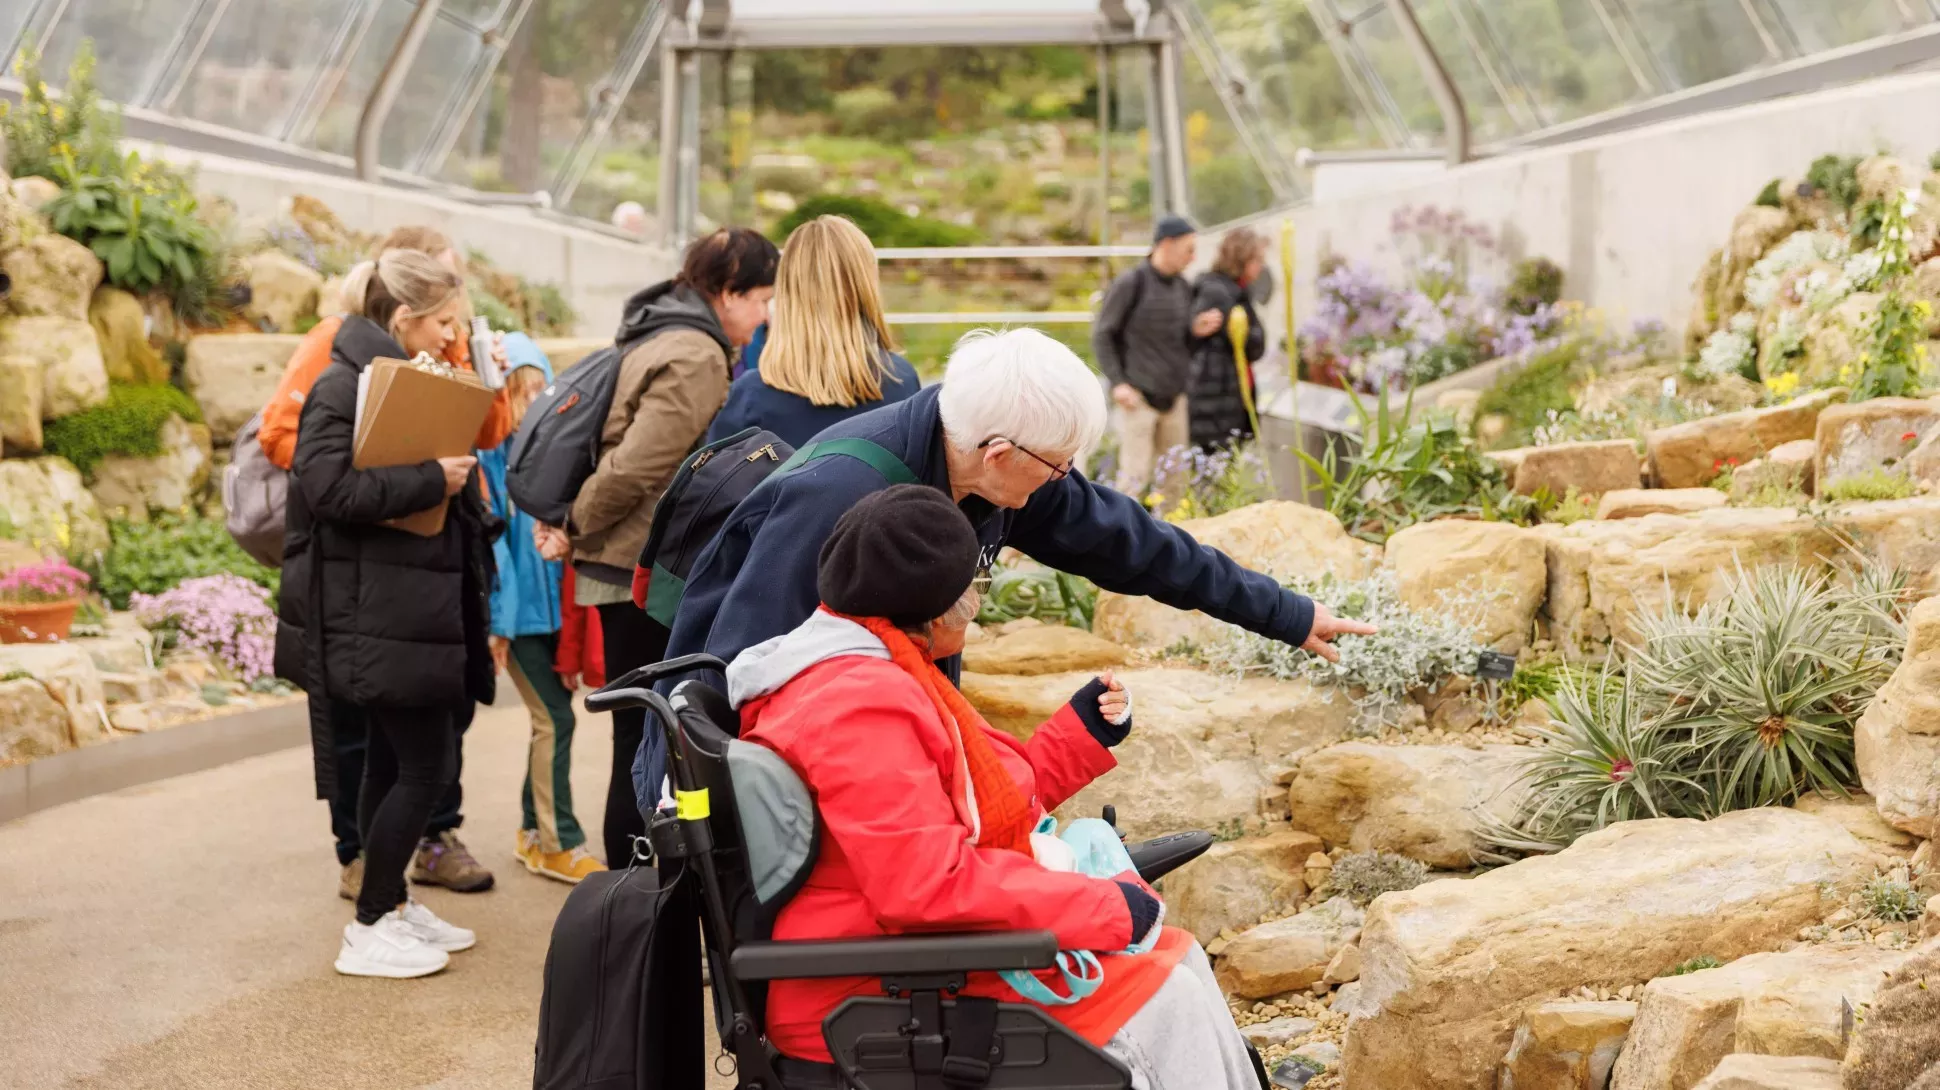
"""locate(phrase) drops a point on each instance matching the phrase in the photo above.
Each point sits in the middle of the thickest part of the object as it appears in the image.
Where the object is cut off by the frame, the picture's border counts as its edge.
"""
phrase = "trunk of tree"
(518, 150)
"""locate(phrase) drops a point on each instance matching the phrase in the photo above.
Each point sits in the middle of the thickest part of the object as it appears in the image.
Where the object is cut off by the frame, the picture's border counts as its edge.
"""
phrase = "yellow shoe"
(527, 847)
(568, 866)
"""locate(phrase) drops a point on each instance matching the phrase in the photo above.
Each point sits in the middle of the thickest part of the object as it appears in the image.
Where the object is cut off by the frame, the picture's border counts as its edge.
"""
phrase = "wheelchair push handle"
(629, 689)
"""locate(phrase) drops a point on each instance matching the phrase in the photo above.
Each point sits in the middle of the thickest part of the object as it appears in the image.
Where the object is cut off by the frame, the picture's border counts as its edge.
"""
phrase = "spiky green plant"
(1892, 898)
(1602, 759)
(1764, 683)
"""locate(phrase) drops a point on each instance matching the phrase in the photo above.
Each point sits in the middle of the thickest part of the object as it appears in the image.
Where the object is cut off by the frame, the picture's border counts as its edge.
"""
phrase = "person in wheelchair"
(929, 812)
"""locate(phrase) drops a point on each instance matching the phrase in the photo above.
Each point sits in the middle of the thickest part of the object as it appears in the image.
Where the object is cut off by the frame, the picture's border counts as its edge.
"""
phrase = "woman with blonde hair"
(397, 631)
(829, 353)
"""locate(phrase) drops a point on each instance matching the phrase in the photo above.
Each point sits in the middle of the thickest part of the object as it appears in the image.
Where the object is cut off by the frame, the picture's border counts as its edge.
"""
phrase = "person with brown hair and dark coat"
(680, 338)
(1217, 405)
(383, 619)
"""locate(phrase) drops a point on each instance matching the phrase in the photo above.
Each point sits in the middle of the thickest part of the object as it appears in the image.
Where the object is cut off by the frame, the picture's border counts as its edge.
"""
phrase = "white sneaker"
(435, 932)
(389, 948)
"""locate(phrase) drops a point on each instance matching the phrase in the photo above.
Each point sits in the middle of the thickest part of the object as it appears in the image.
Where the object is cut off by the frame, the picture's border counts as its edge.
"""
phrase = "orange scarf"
(1001, 812)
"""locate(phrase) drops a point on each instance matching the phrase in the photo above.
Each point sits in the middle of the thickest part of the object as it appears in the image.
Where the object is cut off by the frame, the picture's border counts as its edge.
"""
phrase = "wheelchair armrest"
(1155, 858)
(903, 955)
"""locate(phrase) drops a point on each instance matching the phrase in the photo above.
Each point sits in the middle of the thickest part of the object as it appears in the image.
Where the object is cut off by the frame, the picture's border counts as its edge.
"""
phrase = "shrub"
(1537, 282)
(1874, 484)
(1572, 508)
(1363, 876)
(1768, 196)
(1891, 898)
(151, 557)
(1837, 176)
(1412, 649)
(140, 221)
(1545, 386)
(227, 616)
(1050, 596)
(884, 223)
(129, 422)
(34, 132)
(1895, 363)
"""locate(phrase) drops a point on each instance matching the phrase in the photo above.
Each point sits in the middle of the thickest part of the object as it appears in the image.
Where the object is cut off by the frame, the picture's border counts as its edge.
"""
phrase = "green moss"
(1768, 196)
(1874, 484)
(129, 422)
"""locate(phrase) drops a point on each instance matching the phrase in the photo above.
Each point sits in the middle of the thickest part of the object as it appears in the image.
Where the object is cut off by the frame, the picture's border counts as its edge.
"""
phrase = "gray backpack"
(254, 494)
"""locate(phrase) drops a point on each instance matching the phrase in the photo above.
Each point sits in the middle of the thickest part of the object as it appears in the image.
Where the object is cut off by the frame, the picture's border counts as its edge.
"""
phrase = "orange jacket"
(278, 430)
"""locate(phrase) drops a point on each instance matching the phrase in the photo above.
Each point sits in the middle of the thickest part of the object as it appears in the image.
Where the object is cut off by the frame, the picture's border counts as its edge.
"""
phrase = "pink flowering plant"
(225, 615)
(49, 581)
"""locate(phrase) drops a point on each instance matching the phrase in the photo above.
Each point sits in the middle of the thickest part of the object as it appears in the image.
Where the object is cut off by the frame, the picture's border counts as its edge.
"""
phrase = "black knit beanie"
(905, 553)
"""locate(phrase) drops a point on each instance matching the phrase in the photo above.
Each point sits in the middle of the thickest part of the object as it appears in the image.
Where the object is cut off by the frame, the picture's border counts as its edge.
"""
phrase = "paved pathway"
(179, 935)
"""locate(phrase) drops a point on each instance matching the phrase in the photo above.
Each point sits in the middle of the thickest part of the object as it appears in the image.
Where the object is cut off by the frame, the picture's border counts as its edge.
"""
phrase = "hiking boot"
(351, 880)
(388, 948)
(445, 861)
(570, 866)
(527, 846)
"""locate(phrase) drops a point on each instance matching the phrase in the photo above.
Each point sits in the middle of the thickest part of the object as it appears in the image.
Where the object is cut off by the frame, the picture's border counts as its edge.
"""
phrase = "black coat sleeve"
(1104, 535)
(335, 491)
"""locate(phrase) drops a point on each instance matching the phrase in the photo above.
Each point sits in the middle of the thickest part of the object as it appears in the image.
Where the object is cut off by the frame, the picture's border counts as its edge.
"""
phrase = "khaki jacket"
(668, 391)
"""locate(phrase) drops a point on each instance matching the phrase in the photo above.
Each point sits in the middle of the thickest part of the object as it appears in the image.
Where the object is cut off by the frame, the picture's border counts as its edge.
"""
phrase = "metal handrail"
(984, 253)
(370, 123)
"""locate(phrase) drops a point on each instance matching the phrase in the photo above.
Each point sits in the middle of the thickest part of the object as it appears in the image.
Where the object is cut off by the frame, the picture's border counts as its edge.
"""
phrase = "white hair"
(1024, 386)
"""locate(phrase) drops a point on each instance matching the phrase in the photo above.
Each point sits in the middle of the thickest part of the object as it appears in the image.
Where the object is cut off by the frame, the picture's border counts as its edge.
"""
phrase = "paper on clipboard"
(407, 415)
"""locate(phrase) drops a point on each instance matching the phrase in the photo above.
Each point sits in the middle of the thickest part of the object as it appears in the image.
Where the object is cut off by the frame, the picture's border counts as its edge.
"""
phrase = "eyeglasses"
(1058, 472)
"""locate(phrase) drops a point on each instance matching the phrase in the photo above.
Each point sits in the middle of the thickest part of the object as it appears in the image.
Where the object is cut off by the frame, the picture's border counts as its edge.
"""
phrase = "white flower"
(1798, 248)
(1725, 353)
(1669, 387)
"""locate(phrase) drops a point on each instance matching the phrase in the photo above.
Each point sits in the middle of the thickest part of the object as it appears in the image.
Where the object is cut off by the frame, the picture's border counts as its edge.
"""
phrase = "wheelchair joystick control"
(1111, 815)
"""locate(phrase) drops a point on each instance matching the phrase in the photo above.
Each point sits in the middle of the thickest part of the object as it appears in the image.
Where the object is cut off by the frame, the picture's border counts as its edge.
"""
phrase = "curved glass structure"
(1211, 107)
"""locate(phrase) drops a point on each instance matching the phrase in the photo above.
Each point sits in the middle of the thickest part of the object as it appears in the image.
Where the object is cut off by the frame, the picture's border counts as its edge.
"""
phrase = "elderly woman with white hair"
(999, 436)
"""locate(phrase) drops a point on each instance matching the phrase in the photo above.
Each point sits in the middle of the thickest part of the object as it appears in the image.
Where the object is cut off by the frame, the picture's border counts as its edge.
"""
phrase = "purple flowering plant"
(225, 615)
(48, 581)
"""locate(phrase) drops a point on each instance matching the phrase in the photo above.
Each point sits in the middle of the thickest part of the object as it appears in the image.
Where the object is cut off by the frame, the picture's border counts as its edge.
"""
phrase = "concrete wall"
(1632, 216)
(596, 271)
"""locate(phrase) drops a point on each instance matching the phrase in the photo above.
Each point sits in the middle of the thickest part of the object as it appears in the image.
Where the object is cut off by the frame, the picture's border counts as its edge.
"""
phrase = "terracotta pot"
(36, 622)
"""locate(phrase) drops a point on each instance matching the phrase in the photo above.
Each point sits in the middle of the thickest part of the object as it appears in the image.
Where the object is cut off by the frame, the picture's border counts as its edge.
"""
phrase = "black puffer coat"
(370, 615)
(1214, 406)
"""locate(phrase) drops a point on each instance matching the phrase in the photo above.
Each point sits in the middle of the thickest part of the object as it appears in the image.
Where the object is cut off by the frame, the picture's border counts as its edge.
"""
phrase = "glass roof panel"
(626, 166)
(1816, 25)
(1223, 179)
(1564, 55)
(131, 38)
(1697, 41)
(1296, 81)
(259, 63)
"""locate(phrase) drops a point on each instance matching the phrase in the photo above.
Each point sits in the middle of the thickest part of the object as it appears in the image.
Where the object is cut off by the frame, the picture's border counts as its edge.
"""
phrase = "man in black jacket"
(1143, 338)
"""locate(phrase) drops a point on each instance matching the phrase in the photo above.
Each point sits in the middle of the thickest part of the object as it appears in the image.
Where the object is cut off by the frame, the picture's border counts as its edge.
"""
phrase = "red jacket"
(896, 858)
(581, 645)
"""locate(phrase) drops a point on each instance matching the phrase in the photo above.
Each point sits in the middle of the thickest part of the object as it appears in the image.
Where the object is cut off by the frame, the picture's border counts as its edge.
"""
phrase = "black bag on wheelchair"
(601, 1013)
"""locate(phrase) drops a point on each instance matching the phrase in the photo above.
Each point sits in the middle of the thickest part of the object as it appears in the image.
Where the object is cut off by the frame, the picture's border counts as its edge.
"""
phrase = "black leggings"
(411, 761)
(630, 638)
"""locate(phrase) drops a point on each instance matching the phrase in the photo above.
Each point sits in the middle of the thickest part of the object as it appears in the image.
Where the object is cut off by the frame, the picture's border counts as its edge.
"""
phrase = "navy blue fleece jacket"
(756, 579)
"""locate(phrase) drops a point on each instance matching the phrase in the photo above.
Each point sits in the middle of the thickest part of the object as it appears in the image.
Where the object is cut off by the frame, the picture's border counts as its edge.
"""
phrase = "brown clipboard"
(410, 415)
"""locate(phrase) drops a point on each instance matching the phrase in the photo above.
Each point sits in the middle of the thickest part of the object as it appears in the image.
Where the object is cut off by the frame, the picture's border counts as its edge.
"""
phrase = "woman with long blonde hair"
(829, 353)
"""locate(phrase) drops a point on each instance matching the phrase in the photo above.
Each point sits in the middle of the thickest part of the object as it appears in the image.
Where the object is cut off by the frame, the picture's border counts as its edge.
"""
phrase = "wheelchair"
(745, 827)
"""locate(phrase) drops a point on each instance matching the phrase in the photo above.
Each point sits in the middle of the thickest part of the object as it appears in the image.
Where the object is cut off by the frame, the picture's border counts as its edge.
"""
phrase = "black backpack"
(707, 488)
(557, 445)
(606, 1013)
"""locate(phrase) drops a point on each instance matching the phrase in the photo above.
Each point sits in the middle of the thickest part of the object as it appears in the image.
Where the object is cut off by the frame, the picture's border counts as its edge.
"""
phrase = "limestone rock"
(1592, 468)
(1449, 967)
(121, 328)
(1930, 920)
(1898, 1040)
(1882, 177)
(1345, 968)
(20, 396)
(154, 715)
(72, 374)
(232, 376)
(1423, 802)
(33, 191)
(1278, 1031)
(1748, 1072)
(1204, 752)
(1045, 649)
(1876, 434)
(1601, 573)
(318, 221)
(1613, 392)
(32, 723)
(1502, 565)
(1691, 454)
(1773, 1004)
(1787, 465)
(1897, 741)
(1904, 533)
(53, 277)
(168, 481)
(1859, 813)
(18, 223)
(1758, 228)
(134, 688)
(330, 302)
(1566, 1046)
(1630, 503)
(69, 677)
(1287, 954)
(1837, 338)
(1280, 537)
(281, 289)
(1237, 882)
(50, 508)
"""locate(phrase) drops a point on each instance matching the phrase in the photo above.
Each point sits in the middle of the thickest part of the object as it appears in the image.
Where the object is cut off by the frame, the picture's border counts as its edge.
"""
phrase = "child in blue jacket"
(525, 641)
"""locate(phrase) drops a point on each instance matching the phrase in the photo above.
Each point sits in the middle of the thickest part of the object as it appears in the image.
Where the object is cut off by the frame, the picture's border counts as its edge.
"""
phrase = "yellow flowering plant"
(41, 135)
